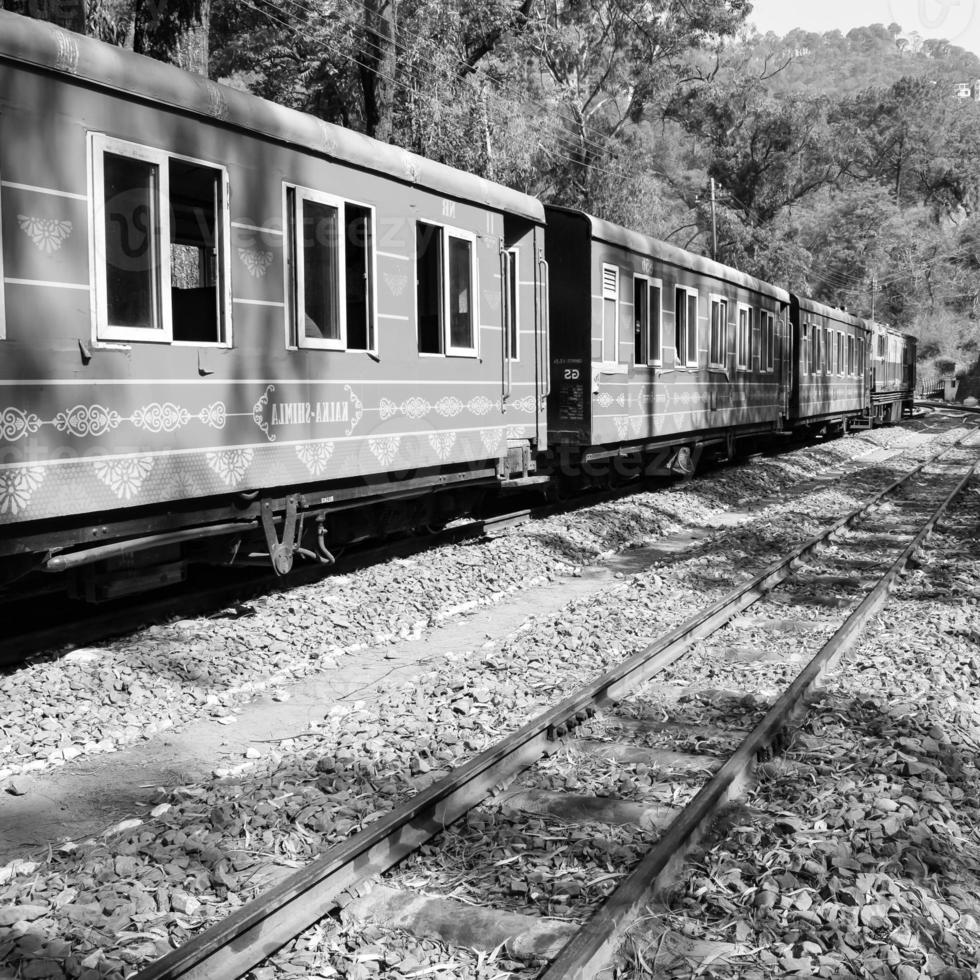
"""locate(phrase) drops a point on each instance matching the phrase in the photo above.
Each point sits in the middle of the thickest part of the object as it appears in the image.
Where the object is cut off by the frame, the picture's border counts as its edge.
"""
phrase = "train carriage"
(830, 346)
(654, 348)
(892, 372)
(219, 314)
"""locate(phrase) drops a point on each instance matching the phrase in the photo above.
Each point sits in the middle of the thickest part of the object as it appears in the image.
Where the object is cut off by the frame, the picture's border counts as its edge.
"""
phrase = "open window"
(647, 335)
(804, 345)
(767, 341)
(743, 342)
(610, 314)
(718, 341)
(445, 276)
(686, 325)
(331, 252)
(160, 233)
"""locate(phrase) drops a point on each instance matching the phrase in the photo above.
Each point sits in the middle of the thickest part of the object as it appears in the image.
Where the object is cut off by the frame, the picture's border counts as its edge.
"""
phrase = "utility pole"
(714, 224)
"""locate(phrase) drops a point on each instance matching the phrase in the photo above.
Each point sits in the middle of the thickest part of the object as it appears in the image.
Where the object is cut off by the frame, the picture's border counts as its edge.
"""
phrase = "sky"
(956, 20)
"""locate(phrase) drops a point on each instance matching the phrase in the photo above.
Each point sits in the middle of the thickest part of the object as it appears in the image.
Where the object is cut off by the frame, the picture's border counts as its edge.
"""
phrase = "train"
(235, 333)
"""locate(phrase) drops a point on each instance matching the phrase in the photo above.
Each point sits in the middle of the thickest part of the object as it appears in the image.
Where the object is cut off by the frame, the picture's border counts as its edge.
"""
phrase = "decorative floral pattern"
(388, 409)
(157, 417)
(516, 432)
(315, 456)
(481, 405)
(396, 282)
(124, 477)
(491, 439)
(15, 423)
(442, 443)
(215, 415)
(17, 486)
(231, 465)
(622, 425)
(526, 404)
(357, 410)
(47, 234)
(87, 420)
(449, 406)
(416, 408)
(257, 411)
(257, 261)
(605, 400)
(384, 448)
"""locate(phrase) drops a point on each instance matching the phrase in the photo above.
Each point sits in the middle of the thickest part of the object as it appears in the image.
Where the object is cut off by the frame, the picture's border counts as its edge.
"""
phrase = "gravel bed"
(863, 858)
(99, 700)
(98, 908)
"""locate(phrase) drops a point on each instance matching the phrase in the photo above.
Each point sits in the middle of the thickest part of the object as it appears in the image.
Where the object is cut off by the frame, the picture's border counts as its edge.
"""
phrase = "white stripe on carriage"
(50, 285)
(164, 453)
(394, 255)
(258, 302)
(43, 190)
(264, 231)
(393, 316)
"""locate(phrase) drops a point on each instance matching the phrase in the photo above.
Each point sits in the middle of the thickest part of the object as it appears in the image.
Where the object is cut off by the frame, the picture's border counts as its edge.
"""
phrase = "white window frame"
(841, 355)
(688, 292)
(99, 145)
(713, 298)
(513, 285)
(804, 344)
(297, 282)
(743, 363)
(448, 231)
(659, 359)
(649, 283)
(102, 330)
(606, 359)
(767, 323)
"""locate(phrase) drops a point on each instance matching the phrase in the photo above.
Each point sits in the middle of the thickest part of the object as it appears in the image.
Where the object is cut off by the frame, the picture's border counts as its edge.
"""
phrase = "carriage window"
(804, 343)
(160, 236)
(850, 354)
(445, 273)
(332, 266)
(718, 342)
(744, 340)
(131, 191)
(840, 352)
(646, 321)
(610, 314)
(767, 323)
(195, 273)
(512, 295)
(686, 326)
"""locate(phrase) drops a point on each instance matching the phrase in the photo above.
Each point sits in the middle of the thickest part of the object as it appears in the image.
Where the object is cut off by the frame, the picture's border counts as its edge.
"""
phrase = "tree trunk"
(379, 62)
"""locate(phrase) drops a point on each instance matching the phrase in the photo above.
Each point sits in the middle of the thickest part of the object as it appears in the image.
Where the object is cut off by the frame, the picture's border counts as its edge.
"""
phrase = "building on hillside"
(968, 90)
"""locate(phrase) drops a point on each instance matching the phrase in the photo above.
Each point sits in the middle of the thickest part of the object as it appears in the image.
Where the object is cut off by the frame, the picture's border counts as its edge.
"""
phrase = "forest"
(843, 166)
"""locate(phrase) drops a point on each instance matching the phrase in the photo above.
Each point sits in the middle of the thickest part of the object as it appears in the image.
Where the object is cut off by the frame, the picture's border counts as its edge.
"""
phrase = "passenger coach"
(657, 353)
(830, 385)
(217, 313)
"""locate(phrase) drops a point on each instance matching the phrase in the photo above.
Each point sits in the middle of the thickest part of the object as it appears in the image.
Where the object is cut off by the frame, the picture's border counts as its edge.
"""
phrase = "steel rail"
(594, 946)
(251, 933)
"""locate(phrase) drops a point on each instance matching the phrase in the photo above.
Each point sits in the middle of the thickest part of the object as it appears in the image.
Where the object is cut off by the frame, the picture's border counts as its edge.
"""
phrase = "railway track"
(846, 570)
(33, 627)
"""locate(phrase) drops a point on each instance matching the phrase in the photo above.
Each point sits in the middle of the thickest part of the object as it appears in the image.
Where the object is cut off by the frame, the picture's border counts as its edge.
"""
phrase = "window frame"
(650, 283)
(804, 344)
(722, 301)
(688, 292)
(293, 196)
(102, 332)
(606, 360)
(767, 343)
(447, 231)
(3, 308)
(512, 282)
(841, 365)
(743, 363)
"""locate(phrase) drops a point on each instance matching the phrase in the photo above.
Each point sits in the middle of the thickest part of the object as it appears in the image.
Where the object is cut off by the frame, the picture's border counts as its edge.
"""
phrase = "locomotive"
(234, 332)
